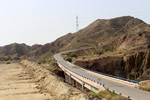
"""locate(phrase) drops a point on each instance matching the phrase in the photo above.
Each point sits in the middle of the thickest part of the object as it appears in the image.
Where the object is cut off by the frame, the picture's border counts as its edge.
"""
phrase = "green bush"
(42, 62)
(69, 59)
(110, 49)
(108, 95)
(94, 94)
(16, 58)
(148, 25)
(83, 57)
(99, 79)
(74, 55)
(98, 52)
(124, 54)
(7, 62)
(78, 40)
(39, 62)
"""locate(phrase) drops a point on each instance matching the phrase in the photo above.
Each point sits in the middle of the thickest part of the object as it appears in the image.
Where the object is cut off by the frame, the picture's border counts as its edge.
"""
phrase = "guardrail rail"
(133, 81)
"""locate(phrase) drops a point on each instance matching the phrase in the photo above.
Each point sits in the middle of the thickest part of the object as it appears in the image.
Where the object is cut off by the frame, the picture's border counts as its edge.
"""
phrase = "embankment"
(49, 83)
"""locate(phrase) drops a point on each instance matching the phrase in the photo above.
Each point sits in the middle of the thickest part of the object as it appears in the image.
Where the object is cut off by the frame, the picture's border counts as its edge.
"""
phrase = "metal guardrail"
(122, 94)
(133, 81)
(114, 91)
(84, 76)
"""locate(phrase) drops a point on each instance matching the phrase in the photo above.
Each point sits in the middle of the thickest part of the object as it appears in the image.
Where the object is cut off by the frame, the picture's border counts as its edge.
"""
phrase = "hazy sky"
(42, 21)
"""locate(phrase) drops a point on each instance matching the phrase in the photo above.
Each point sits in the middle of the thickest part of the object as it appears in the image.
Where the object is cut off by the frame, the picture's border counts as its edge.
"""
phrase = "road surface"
(122, 88)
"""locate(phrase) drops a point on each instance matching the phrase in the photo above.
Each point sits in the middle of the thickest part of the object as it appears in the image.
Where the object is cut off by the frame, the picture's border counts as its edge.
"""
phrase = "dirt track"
(27, 81)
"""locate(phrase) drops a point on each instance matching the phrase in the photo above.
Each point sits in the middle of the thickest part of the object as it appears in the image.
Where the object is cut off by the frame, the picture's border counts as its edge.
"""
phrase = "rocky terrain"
(136, 66)
(29, 81)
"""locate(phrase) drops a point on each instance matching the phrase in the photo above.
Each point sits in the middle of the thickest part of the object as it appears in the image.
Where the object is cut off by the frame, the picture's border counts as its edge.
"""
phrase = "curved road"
(122, 88)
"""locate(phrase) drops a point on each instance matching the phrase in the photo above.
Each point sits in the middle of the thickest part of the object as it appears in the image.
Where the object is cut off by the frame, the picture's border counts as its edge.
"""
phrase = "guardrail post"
(69, 79)
(108, 89)
(74, 82)
(113, 91)
(120, 94)
(83, 85)
(128, 97)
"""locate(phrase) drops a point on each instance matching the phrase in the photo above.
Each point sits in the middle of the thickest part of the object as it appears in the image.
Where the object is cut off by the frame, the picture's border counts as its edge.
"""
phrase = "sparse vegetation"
(78, 40)
(140, 34)
(124, 54)
(16, 58)
(83, 57)
(148, 46)
(52, 68)
(110, 95)
(149, 25)
(94, 94)
(74, 55)
(5, 58)
(42, 62)
(8, 62)
(99, 79)
(98, 52)
(39, 62)
(107, 95)
(146, 86)
(110, 49)
(69, 59)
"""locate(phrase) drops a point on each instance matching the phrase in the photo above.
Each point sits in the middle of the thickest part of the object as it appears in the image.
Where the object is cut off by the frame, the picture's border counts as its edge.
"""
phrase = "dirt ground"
(28, 81)
(15, 84)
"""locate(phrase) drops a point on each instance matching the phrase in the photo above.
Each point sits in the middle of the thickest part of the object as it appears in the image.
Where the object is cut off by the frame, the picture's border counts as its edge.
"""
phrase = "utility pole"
(77, 25)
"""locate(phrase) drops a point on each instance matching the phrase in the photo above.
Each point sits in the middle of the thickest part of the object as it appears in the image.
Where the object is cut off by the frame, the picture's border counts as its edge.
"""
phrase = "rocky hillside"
(135, 66)
(16, 50)
(122, 33)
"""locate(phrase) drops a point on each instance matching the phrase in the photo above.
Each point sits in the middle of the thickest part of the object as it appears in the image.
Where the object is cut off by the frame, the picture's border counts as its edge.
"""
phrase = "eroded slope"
(28, 81)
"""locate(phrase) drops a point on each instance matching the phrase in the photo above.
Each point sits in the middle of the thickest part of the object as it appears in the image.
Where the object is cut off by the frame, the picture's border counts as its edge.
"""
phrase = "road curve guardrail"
(83, 75)
(137, 95)
(133, 81)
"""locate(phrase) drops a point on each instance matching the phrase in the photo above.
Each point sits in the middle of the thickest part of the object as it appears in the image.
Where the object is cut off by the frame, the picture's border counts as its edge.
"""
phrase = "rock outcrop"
(136, 66)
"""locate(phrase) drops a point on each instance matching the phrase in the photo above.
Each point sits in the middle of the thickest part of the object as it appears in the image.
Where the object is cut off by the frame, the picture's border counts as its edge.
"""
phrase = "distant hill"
(14, 50)
(17, 50)
(122, 33)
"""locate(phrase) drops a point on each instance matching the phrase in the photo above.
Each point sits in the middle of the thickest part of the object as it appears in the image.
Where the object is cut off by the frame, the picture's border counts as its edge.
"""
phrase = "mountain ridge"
(117, 32)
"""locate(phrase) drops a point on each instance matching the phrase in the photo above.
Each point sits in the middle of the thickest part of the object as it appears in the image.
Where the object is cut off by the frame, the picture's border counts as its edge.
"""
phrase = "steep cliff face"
(108, 65)
(135, 66)
(138, 65)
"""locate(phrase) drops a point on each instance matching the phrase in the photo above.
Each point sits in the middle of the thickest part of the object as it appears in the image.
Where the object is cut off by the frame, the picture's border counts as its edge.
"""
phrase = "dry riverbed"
(28, 81)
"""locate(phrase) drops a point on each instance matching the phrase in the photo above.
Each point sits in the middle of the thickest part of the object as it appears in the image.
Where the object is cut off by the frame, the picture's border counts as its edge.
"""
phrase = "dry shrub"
(146, 86)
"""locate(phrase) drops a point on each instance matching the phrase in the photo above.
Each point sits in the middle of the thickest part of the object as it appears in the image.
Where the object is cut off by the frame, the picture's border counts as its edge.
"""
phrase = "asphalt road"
(122, 88)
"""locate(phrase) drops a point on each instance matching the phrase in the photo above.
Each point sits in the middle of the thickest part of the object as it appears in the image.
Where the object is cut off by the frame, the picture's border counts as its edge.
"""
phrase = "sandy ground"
(16, 85)
(28, 81)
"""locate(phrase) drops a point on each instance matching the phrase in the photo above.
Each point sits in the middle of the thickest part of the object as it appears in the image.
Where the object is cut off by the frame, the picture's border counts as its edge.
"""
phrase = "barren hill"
(122, 33)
